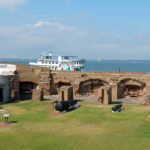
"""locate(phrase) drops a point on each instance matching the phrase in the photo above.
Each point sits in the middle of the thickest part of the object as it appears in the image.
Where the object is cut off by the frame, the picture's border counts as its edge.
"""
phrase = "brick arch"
(90, 87)
(34, 79)
(59, 84)
(130, 88)
(62, 83)
(26, 88)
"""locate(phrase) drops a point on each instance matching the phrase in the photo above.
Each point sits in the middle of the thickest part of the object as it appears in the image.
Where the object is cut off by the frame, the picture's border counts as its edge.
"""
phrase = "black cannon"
(117, 108)
(65, 105)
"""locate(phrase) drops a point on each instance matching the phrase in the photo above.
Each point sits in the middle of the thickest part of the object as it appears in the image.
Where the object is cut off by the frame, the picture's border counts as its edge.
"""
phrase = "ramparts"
(27, 79)
(123, 84)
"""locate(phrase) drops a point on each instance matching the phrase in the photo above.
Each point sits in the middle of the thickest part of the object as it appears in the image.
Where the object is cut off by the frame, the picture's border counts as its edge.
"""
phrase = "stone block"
(37, 94)
(14, 95)
(65, 93)
(146, 100)
(105, 95)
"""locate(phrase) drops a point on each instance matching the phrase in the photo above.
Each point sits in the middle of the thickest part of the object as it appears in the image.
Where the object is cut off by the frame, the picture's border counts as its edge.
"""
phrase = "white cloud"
(11, 4)
(30, 41)
(58, 26)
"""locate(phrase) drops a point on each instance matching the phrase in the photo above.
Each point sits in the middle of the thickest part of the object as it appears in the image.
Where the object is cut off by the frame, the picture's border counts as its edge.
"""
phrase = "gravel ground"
(126, 101)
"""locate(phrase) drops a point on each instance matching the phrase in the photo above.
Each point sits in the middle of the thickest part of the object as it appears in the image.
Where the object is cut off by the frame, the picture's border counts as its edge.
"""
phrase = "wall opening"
(1, 95)
(62, 95)
(130, 89)
(90, 87)
(60, 84)
(26, 90)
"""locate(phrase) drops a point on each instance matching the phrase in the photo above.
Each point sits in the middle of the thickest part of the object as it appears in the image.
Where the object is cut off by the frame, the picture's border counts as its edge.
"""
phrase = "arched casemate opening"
(130, 88)
(60, 84)
(26, 90)
(90, 87)
(4, 89)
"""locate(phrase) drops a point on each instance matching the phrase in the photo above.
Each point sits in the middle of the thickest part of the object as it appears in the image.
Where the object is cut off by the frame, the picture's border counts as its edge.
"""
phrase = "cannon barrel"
(64, 105)
(115, 108)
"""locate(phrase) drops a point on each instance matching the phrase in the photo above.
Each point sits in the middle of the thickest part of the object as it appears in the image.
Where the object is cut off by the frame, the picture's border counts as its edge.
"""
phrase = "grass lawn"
(90, 127)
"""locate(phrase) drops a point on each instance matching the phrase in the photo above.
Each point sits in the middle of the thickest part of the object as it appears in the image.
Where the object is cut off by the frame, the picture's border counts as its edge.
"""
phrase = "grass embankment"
(90, 127)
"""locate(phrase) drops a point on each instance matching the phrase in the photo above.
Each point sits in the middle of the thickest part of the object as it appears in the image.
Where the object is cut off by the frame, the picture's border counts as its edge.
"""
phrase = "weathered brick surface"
(84, 83)
(14, 87)
(118, 81)
(36, 75)
(37, 94)
(65, 93)
(105, 95)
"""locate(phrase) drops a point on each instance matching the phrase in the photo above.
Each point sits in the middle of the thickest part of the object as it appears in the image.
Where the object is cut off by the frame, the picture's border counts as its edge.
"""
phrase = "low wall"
(130, 85)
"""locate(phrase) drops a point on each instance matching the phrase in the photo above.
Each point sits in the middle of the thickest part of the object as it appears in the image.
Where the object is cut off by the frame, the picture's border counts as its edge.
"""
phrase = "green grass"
(90, 127)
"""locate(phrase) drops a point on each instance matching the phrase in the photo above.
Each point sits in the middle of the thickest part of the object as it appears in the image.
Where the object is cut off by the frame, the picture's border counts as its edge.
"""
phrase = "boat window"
(66, 57)
(47, 57)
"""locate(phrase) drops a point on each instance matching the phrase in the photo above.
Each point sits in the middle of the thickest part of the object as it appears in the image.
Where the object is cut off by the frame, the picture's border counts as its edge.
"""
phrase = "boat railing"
(74, 60)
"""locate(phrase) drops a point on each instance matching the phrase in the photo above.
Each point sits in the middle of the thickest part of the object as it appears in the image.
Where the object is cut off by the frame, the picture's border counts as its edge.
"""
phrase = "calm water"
(104, 65)
(125, 66)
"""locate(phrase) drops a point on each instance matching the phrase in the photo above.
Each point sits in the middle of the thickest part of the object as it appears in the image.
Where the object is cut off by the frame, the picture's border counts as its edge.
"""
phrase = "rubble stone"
(105, 95)
(66, 93)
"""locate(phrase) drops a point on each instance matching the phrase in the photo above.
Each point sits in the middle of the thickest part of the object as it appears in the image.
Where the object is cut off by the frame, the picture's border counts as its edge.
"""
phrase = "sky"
(91, 29)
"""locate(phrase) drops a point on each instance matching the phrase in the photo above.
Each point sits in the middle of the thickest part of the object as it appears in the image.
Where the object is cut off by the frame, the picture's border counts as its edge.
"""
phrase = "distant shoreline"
(86, 59)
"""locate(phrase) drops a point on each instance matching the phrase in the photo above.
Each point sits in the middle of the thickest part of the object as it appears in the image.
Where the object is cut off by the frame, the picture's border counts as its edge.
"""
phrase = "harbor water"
(103, 65)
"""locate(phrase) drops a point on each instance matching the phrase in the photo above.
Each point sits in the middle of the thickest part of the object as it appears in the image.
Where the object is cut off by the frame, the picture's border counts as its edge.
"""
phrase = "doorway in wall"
(1, 94)
(26, 90)
(62, 95)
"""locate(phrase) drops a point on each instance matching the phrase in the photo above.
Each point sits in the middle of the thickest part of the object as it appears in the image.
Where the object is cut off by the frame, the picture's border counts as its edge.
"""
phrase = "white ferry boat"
(68, 63)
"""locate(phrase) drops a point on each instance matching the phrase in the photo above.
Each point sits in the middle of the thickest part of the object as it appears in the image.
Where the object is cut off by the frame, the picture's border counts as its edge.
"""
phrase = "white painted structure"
(68, 63)
(7, 69)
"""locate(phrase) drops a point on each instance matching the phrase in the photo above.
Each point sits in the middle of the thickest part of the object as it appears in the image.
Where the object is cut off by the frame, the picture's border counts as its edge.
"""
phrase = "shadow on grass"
(13, 122)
